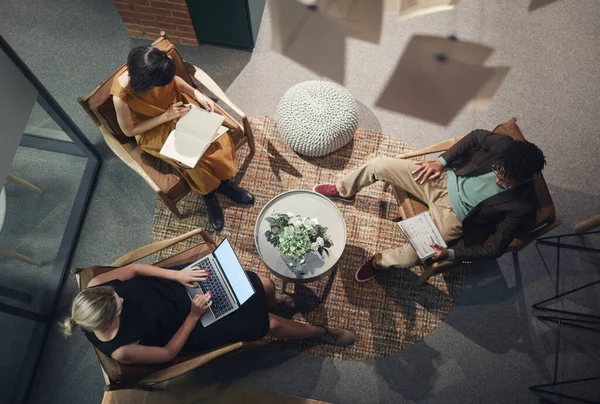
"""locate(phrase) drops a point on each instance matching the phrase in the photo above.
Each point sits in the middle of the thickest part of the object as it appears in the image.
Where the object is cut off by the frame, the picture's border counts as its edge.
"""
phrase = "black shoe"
(235, 193)
(215, 214)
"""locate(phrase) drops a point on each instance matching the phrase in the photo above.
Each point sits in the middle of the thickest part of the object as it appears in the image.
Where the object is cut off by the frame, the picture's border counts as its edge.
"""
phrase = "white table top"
(2, 207)
(308, 204)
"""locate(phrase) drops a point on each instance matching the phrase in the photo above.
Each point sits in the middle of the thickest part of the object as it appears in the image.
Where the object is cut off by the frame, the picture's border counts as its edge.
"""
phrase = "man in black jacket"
(481, 185)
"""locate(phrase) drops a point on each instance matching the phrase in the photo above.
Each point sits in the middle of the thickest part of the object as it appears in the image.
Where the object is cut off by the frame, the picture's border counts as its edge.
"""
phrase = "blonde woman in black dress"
(142, 314)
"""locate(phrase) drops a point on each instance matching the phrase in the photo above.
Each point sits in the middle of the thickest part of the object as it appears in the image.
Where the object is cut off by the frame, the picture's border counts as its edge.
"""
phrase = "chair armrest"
(587, 225)
(443, 264)
(436, 148)
(213, 87)
(121, 153)
(430, 268)
(149, 249)
(185, 366)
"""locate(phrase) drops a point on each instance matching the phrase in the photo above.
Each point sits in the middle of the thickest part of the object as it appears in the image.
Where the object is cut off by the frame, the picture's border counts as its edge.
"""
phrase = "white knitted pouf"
(316, 118)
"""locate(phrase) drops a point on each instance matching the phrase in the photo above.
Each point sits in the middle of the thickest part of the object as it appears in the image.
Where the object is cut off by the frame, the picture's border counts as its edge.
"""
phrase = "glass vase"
(296, 265)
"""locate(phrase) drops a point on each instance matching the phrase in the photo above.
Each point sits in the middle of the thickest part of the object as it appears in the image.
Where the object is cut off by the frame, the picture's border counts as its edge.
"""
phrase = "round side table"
(308, 204)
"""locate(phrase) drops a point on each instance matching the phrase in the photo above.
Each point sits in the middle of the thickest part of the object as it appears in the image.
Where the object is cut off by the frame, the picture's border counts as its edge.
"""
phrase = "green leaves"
(296, 236)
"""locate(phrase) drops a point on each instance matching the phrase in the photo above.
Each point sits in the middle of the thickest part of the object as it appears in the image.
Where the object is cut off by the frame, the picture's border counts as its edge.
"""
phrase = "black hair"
(521, 161)
(149, 67)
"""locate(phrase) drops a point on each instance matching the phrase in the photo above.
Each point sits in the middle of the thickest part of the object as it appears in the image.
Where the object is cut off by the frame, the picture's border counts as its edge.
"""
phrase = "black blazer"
(508, 214)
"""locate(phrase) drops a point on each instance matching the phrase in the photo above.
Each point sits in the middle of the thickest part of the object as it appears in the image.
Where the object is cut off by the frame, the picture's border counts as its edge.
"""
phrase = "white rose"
(314, 246)
(320, 241)
(290, 214)
(296, 222)
(315, 221)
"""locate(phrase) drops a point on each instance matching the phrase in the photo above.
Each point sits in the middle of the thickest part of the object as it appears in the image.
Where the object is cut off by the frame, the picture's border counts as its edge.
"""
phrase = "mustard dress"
(218, 161)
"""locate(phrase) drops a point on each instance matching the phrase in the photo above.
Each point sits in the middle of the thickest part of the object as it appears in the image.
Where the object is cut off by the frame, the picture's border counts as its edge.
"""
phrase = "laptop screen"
(238, 280)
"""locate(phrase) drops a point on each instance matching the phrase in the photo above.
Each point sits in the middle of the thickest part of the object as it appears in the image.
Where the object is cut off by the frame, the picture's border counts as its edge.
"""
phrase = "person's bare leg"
(269, 288)
(289, 329)
(273, 299)
(280, 327)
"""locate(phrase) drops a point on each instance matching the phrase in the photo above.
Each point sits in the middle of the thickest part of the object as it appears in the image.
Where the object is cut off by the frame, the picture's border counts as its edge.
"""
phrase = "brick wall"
(146, 18)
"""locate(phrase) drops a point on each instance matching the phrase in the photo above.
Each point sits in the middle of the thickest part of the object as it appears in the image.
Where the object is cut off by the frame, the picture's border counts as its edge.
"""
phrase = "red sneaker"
(331, 192)
(367, 271)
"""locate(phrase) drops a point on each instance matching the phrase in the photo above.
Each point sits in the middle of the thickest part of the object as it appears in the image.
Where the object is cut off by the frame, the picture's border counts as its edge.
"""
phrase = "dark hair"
(521, 161)
(149, 67)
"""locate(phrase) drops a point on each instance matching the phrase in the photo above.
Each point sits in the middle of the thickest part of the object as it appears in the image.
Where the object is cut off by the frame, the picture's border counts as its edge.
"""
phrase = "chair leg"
(24, 184)
(20, 257)
(249, 134)
(170, 204)
(588, 224)
(428, 272)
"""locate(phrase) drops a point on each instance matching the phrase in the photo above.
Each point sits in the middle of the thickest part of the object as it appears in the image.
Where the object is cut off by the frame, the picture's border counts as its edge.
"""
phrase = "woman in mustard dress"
(149, 98)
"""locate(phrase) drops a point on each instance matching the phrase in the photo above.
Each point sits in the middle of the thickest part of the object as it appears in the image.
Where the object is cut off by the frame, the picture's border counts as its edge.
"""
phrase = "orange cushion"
(163, 174)
(510, 128)
(167, 46)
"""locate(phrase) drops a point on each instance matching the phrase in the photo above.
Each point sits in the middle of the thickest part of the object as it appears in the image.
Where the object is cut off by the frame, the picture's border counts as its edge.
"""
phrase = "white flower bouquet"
(296, 236)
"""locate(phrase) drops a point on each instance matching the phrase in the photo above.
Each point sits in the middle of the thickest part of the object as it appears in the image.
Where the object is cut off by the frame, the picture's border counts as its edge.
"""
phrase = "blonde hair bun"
(68, 325)
(92, 309)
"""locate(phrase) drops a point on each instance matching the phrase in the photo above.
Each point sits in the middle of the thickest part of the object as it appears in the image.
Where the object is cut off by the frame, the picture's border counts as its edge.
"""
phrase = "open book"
(192, 135)
(420, 231)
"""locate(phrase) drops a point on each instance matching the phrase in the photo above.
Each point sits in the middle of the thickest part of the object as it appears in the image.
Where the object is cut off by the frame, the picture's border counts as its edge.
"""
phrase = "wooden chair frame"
(194, 73)
(407, 210)
(153, 374)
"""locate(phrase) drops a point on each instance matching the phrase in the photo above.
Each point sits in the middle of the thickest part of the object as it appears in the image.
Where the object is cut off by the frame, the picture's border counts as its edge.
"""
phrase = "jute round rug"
(389, 313)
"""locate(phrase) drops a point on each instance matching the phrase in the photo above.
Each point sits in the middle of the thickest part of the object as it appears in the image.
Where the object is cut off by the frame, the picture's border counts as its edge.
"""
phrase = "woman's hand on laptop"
(200, 304)
(189, 278)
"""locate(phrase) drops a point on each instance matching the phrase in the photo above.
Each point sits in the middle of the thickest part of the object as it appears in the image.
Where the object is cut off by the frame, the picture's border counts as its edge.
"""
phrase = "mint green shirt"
(467, 192)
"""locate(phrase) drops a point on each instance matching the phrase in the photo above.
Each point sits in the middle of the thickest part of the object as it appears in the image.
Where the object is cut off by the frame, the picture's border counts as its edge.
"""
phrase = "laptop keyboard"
(220, 301)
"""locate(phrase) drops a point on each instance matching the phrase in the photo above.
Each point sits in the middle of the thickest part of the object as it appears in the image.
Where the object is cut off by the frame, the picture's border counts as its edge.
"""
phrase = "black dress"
(154, 309)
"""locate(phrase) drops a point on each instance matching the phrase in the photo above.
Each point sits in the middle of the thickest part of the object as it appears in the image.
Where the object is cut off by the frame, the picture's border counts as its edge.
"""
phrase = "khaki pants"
(398, 173)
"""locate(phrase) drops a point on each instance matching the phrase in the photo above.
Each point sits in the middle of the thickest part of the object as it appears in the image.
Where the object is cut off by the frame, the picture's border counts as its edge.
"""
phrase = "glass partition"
(47, 169)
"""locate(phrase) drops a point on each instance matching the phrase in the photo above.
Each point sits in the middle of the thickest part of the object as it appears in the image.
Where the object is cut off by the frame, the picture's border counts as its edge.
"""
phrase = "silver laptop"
(227, 281)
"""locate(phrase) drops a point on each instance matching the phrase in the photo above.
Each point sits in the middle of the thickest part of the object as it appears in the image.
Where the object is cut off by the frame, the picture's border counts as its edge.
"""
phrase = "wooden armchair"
(160, 176)
(545, 217)
(121, 376)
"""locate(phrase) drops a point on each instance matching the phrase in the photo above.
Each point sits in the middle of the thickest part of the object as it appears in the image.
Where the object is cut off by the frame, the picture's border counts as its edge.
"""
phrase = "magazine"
(420, 231)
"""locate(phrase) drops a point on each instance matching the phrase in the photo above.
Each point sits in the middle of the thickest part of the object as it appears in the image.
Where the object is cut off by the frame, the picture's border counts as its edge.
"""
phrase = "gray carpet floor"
(490, 348)
(34, 226)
